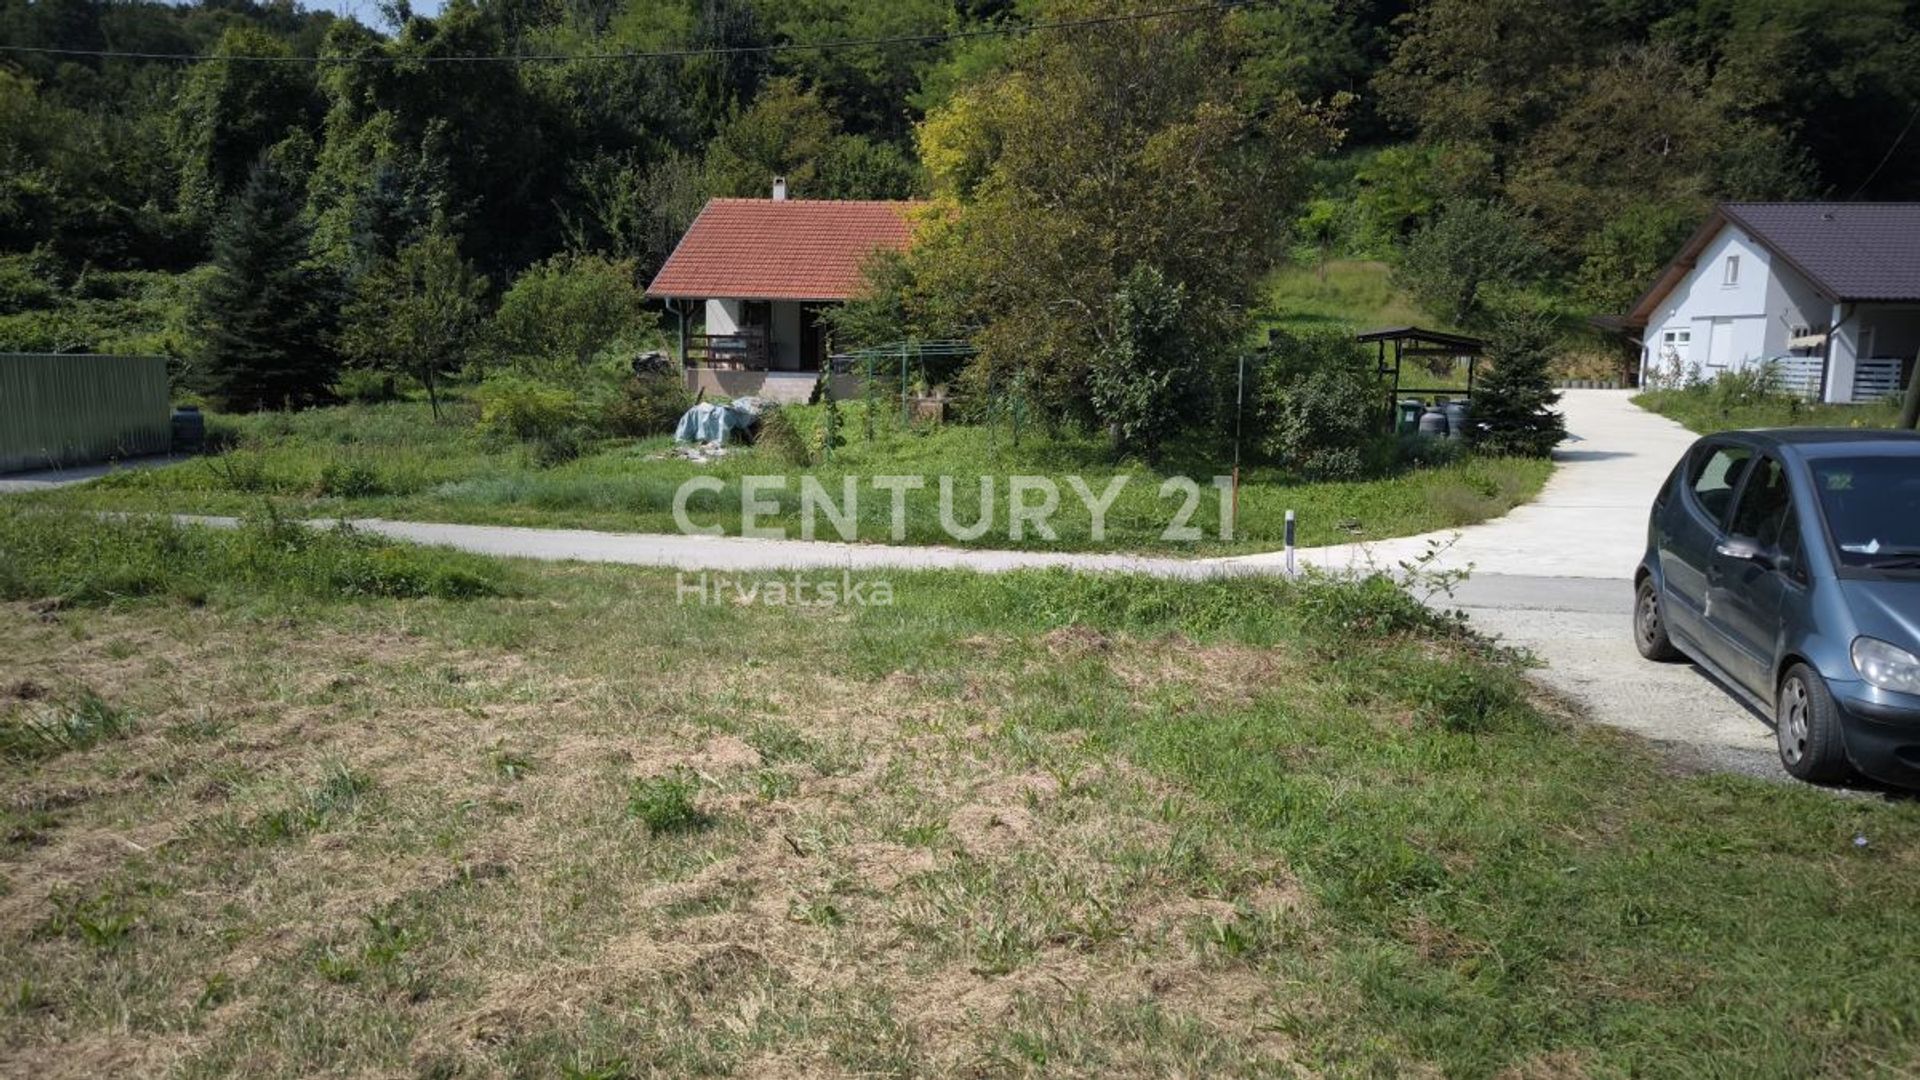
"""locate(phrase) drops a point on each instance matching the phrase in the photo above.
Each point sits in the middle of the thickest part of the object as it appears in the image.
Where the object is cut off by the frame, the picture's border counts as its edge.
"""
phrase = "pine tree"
(1512, 408)
(267, 310)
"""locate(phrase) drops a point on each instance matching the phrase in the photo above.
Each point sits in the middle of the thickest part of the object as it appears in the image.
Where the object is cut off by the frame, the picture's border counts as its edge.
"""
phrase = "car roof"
(1830, 442)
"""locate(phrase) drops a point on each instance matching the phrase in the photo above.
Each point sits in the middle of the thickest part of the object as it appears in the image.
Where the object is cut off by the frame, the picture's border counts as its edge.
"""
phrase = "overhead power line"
(1219, 6)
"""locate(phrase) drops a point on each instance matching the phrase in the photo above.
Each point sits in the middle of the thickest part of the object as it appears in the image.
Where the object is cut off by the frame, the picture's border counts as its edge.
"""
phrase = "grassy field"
(394, 461)
(1706, 412)
(264, 818)
(1354, 295)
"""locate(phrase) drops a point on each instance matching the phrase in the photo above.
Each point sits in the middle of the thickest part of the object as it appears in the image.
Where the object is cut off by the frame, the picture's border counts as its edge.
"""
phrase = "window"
(1675, 340)
(1733, 271)
(1872, 506)
(1716, 473)
(1766, 507)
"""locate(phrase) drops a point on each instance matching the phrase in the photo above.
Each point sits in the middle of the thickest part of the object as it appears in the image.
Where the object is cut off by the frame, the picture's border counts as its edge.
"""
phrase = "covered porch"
(1869, 351)
(760, 335)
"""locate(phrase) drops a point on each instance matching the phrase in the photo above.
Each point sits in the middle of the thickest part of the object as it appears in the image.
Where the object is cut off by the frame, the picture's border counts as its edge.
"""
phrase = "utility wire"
(1220, 6)
(1898, 139)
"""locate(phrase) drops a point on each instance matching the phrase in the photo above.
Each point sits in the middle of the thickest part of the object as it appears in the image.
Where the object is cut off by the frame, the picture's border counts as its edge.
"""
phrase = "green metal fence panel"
(60, 410)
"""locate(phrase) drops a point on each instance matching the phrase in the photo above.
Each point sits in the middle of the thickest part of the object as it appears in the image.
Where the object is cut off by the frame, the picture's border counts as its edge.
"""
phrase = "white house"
(1829, 290)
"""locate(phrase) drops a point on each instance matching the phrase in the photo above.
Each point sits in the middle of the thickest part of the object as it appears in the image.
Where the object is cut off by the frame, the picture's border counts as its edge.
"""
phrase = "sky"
(367, 11)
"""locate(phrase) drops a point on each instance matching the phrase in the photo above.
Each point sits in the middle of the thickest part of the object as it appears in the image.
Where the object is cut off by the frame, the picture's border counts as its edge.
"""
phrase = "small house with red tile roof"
(758, 273)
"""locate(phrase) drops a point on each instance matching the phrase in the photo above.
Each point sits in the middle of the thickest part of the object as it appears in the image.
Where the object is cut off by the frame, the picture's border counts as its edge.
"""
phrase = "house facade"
(750, 280)
(1829, 292)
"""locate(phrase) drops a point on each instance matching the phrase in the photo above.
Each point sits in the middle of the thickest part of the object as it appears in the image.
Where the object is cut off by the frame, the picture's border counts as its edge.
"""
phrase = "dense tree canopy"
(1203, 147)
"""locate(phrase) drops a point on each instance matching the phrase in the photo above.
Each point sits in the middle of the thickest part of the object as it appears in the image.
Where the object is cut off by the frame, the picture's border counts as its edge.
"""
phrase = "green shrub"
(527, 408)
(559, 446)
(781, 439)
(1318, 405)
(348, 480)
(1339, 609)
(559, 313)
(365, 386)
(1426, 451)
(647, 405)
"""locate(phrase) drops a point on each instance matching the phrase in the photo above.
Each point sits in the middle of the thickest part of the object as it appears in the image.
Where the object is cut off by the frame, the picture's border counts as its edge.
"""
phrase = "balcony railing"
(743, 351)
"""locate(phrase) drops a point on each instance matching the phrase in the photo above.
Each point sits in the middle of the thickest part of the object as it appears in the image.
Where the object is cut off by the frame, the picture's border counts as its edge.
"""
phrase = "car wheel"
(1806, 727)
(1650, 625)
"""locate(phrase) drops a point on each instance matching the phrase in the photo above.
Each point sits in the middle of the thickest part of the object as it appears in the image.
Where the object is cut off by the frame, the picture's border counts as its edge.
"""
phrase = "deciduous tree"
(1470, 248)
(417, 313)
(1119, 147)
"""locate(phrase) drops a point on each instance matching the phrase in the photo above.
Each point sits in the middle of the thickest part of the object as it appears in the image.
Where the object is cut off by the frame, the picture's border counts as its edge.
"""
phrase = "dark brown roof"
(788, 249)
(1849, 251)
(1429, 337)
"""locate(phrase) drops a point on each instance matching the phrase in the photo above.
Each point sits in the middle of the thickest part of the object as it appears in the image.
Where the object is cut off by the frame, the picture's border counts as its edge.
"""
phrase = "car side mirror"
(1744, 549)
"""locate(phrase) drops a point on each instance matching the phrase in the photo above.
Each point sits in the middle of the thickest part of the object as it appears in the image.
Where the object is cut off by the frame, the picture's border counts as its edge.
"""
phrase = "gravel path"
(1579, 628)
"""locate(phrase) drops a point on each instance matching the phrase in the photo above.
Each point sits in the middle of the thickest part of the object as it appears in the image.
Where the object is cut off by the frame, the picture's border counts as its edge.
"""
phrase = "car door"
(1750, 576)
(1693, 526)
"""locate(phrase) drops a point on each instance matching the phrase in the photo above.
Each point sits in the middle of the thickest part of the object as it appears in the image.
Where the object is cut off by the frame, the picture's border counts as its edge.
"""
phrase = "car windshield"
(1872, 506)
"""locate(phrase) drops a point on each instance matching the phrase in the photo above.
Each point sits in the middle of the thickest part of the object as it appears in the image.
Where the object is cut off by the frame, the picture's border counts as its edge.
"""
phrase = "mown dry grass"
(349, 840)
(1016, 825)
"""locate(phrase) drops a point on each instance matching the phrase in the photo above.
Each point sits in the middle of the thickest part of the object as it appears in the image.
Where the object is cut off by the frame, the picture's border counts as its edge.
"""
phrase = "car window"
(1716, 474)
(1872, 505)
(1766, 506)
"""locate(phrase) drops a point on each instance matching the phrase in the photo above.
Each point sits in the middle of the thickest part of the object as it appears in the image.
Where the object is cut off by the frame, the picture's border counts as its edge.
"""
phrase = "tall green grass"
(1731, 405)
(79, 559)
(393, 461)
(1353, 293)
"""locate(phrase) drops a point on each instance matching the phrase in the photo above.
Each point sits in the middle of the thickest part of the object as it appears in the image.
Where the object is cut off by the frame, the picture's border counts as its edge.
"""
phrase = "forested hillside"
(315, 172)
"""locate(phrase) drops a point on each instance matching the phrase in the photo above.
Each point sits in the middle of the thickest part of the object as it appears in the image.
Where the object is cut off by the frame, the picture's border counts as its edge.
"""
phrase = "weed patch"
(72, 559)
(665, 804)
(31, 730)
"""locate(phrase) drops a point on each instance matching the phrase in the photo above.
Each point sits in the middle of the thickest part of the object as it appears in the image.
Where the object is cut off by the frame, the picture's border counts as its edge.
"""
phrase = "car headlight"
(1888, 667)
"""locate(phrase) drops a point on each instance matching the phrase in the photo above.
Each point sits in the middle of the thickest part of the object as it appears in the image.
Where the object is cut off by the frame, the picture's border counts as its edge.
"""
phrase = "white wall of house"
(783, 335)
(1717, 316)
(1724, 321)
(1792, 302)
(723, 316)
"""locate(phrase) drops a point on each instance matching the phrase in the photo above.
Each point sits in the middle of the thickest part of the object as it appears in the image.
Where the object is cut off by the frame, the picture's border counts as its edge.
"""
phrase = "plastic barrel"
(1456, 419)
(189, 430)
(1433, 422)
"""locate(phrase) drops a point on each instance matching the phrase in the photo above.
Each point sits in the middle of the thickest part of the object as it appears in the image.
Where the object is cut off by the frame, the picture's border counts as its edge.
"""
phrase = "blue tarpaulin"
(710, 423)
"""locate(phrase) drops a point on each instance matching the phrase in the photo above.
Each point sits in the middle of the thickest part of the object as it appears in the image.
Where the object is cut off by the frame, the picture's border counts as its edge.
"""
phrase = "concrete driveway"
(1555, 577)
(48, 479)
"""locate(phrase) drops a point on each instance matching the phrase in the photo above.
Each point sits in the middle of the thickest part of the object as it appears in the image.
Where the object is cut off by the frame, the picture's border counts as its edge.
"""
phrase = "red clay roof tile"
(793, 249)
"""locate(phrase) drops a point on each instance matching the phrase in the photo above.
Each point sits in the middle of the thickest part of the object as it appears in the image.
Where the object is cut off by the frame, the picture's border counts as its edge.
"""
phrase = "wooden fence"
(58, 410)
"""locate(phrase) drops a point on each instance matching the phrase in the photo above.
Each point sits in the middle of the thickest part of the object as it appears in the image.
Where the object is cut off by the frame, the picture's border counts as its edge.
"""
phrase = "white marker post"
(1291, 572)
